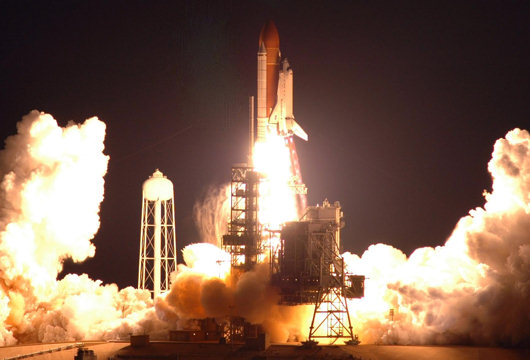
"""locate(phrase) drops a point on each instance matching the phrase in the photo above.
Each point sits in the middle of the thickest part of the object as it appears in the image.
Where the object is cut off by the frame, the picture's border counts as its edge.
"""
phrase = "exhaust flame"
(203, 288)
(277, 200)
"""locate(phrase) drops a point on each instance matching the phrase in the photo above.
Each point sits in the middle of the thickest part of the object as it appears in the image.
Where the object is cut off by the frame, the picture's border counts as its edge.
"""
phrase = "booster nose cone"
(269, 36)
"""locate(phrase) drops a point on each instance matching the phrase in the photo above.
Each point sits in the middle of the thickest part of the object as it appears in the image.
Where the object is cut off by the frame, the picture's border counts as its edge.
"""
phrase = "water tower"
(158, 245)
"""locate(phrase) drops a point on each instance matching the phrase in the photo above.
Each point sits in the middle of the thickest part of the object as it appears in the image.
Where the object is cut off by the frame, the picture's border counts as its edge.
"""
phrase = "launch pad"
(305, 266)
(303, 256)
(270, 225)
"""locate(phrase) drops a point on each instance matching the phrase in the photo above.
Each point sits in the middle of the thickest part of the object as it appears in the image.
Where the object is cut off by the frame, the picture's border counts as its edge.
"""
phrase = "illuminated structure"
(158, 256)
(304, 256)
(310, 270)
(243, 241)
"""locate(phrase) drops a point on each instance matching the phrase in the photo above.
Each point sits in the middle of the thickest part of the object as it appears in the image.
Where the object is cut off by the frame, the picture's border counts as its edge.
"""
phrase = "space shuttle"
(275, 89)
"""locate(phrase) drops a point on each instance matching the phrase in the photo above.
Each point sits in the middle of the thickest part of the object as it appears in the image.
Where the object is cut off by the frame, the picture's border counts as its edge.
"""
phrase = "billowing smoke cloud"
(473, 290)
(51, 185)
(203, 288)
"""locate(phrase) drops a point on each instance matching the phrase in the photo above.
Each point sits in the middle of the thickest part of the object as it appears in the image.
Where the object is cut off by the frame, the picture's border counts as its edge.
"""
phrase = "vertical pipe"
(141, 257)
(156, 280)
(173, 237)
(251, 130)
(165, 287)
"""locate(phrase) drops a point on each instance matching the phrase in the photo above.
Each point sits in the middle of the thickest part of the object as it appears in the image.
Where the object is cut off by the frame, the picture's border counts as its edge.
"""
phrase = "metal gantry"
(306, 265)
(243, 241)
(331, 306)
(310, 270)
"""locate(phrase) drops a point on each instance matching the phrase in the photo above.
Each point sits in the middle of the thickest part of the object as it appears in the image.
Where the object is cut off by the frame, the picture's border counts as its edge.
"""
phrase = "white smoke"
(51, 185)
(212, 214)
(473, 290)
(203, 288)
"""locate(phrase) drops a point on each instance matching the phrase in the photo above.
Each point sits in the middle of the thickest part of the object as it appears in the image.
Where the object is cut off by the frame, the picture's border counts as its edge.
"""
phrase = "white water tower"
(158, 244)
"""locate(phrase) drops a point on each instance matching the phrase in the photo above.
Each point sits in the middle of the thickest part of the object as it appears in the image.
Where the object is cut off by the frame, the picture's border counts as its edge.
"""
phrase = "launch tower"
(158, 256)
(243, 239)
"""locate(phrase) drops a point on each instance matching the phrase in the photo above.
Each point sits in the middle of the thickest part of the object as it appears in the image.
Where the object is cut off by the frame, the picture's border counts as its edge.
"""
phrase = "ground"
(210, 350)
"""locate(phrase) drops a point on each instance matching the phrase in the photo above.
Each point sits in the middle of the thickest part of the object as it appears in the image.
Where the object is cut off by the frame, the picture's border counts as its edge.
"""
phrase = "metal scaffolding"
(331, 307)
(310, 270)
(243, 241)
(306, 266)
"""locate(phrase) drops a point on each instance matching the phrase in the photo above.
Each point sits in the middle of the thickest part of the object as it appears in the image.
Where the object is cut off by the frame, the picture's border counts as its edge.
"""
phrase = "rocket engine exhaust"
(472, 290)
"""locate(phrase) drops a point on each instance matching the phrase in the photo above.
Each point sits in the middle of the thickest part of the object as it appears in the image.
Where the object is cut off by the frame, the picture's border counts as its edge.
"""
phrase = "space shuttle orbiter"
(275, 88)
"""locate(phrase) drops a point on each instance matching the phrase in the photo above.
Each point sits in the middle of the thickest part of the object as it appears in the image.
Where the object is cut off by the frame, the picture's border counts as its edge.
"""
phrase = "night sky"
(402, 101)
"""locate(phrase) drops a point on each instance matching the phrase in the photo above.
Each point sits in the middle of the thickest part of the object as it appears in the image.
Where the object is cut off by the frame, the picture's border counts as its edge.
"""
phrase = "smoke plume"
(474, 289)
(204, 288)
(51, 185)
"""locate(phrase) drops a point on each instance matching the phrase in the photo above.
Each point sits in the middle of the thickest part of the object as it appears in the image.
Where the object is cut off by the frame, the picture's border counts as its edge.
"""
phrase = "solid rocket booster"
(275, 88)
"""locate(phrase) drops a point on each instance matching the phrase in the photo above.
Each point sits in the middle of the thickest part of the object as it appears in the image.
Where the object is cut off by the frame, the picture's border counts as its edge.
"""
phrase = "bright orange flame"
(277, 197)
(207, 259)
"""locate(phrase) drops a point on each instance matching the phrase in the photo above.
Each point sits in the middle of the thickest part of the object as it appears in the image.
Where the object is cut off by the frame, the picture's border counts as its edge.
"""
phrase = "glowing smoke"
(203, 288)
(50, 190)
(46, 171)
(474, 289)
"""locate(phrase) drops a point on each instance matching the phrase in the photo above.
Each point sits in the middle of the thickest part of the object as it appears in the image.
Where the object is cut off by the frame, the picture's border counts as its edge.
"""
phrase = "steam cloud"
(203, 288)
(472, 290)
(50, 190)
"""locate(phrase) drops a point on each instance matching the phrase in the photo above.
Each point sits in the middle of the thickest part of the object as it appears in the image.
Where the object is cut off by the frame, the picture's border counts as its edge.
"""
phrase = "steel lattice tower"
(158, 245)
(308, 269)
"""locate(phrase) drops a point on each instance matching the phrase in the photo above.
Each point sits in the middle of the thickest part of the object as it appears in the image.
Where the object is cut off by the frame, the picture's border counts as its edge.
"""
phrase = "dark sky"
(402, 101)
